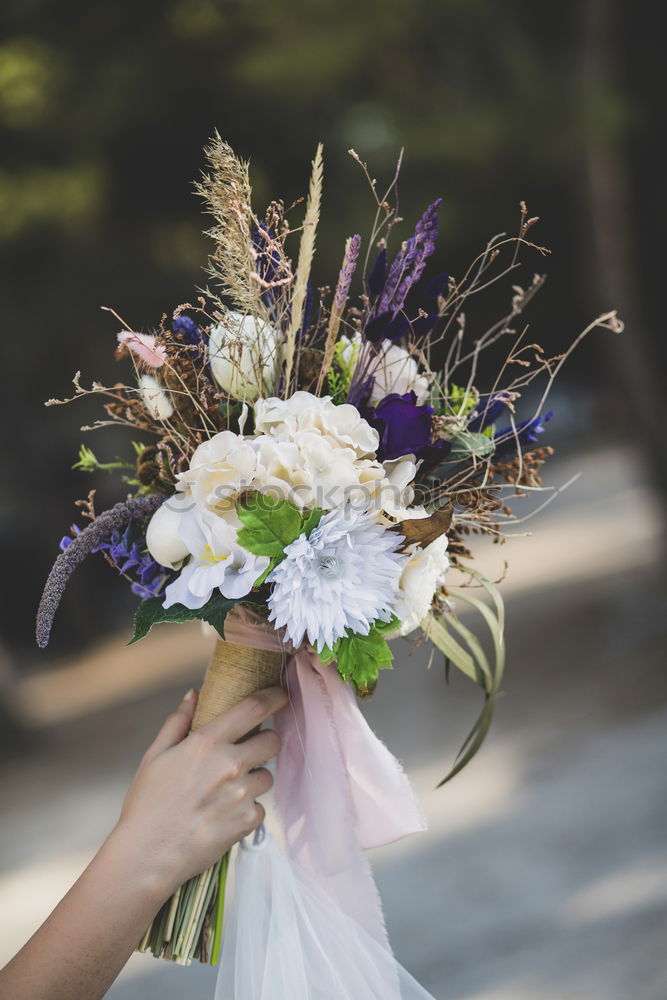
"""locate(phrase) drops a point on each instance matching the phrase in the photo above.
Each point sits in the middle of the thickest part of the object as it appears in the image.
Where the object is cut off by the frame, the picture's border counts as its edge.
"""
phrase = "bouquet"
(312, 466)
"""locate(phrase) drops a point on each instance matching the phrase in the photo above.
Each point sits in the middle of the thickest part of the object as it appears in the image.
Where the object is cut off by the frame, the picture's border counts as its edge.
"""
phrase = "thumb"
(175, 727)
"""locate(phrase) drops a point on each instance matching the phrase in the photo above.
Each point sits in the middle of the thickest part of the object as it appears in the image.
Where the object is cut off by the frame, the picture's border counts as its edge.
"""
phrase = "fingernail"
(190, 695)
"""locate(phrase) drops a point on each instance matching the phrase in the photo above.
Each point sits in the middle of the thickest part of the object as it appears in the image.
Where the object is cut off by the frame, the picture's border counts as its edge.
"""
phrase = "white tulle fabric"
(308, 924)
(285, 938)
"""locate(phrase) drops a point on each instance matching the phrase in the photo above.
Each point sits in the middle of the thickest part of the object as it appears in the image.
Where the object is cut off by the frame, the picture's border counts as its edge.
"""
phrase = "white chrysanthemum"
(344, 576)
(422, 576)
(244, 353)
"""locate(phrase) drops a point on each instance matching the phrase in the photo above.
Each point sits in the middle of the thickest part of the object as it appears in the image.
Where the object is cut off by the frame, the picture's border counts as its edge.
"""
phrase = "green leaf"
(447, 644)
(473, 661)
(468, 444)
(384, 627)
(312, 521)
(215, 612)
(361, 658)
(326, 654)
(260, 579)
(150, 612)
(269, 524)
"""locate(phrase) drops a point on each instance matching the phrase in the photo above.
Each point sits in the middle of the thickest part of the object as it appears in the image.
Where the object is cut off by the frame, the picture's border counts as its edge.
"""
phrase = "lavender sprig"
(346, 273)
(348, 267)
(92, 536)
(409, 263)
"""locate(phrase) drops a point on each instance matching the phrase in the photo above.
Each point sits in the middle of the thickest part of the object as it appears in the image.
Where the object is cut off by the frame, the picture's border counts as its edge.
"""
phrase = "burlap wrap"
(234, 673)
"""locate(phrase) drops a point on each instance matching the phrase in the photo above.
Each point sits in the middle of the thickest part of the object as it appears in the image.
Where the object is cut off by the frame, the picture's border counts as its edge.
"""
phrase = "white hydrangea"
(344, 576)
(334, 462)
(287, 419)
(306, 450)
(220, 469)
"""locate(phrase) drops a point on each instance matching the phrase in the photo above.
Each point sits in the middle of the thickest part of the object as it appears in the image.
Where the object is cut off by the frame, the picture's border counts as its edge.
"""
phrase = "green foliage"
(469, 444)
(215, 612)
(88, 462)
(337, 384)
(270, 524)
(311, 521)
(360, 658)
(150, 612)
(459, 400)
(469, 657)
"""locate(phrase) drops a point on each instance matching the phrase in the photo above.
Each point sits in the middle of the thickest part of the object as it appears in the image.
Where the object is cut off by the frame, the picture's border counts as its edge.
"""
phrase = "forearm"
(80, 949)
(190, 801)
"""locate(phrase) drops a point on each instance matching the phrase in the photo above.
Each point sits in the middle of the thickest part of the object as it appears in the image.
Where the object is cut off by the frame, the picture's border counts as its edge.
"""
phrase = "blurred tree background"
(105, 107)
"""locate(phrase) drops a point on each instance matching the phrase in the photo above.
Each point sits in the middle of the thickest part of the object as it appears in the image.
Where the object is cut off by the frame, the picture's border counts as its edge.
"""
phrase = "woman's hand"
(194, 794)
(191, 799)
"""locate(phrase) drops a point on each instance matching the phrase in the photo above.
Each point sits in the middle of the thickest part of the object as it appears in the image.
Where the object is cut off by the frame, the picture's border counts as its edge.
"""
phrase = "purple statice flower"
(90, 539)
(405, 428)
(409, 263)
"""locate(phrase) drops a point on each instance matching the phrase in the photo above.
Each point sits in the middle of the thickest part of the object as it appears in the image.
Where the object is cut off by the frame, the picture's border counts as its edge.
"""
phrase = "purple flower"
(488, 412)
(409, 263)
(405, 428)
(378, 274)
(347, 272)
(100, 533)
(509, 439)
(386, 327)
(187, 332)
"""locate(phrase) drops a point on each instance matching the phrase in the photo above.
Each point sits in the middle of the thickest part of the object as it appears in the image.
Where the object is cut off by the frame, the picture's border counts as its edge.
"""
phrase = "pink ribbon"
(339, 790)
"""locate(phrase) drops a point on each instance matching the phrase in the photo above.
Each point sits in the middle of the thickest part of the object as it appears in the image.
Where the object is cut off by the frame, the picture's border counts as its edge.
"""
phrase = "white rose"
(155, 398)
(244, 353)
(394, 370)
(162, 538)
(422, 576)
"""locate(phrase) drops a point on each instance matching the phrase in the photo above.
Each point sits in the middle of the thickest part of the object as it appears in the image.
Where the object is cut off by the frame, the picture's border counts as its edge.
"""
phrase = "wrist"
(126, 857)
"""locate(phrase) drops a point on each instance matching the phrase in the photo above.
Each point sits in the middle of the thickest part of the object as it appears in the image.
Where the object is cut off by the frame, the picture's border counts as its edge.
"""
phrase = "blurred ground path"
(544, 872)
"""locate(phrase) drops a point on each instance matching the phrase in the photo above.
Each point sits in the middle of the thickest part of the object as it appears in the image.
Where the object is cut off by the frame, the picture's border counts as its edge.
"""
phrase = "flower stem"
(219, 910)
